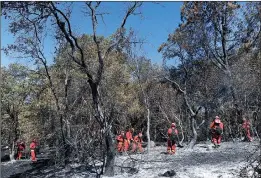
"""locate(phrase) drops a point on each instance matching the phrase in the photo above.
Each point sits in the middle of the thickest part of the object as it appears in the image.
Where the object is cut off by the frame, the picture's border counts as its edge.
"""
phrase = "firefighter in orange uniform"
(137, 141)
(172, 139)
(120, 140)
(20, 150)
(33, 150)
(246, 129)
(128, 139)
(216, 129)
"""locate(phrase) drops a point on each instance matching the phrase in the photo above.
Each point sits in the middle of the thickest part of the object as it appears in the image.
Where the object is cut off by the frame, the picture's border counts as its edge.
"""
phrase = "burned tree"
(44, 11)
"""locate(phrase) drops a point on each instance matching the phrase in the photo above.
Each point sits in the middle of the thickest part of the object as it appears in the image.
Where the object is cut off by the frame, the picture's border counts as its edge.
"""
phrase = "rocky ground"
(203, 161)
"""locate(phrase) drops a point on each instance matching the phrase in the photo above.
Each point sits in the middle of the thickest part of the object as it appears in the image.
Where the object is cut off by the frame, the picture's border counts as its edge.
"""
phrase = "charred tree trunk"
(108, 138)
(109, 166)
(193, 121)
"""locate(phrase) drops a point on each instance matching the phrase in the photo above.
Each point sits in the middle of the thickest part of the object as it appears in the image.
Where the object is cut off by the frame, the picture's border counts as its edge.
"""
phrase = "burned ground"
(201, 162)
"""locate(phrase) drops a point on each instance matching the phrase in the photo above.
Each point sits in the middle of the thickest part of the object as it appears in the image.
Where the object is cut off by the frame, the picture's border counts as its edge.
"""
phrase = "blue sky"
(154, 25)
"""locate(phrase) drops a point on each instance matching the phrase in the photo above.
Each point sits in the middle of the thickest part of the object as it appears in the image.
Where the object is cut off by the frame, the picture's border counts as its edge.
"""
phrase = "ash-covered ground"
(203, 161)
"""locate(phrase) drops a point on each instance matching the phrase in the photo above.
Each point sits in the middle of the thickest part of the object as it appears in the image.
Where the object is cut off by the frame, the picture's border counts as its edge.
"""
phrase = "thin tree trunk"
(231, 87)
(194, 131)
(68, 125)
(58, 108)
(193, 122)
(52, 127)
(148, 129)
(182, 131)
(13, 114)
(66, 87)
(16, 126)
(12, 152)
(207, 123)
(64, 148)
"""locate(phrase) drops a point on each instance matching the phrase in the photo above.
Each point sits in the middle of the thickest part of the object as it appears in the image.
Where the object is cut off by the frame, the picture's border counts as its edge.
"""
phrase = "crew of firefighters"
(21, 150)
(217, 127)
(130, 142)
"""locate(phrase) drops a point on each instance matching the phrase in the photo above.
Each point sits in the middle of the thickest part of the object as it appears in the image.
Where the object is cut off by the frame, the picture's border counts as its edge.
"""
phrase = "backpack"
(218, 130)
(173, 135)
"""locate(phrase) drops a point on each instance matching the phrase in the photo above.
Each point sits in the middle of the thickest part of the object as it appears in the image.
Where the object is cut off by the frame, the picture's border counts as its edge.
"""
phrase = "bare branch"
(94, 29)
(198, 127)
(176, 85)
(73, 43)
(164, 113)
(129, 12)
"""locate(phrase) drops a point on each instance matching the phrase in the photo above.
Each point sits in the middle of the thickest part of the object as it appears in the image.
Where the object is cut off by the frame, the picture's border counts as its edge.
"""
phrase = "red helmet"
(173, 124)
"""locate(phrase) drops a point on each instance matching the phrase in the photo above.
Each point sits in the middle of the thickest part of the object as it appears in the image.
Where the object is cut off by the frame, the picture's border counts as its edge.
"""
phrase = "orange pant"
(216, 139)
(136, 146)
(120, 147)
(247, 134)
(33, 156)
(20, 154)
(126, 145)
(171, 147)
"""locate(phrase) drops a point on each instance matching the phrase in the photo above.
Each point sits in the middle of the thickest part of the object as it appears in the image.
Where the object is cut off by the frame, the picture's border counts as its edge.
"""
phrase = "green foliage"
(19, 91)
(131, 84)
